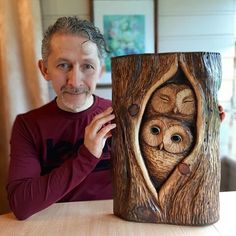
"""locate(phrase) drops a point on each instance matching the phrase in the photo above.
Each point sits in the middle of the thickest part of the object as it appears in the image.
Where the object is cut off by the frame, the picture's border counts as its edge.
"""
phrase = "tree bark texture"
(165, 148)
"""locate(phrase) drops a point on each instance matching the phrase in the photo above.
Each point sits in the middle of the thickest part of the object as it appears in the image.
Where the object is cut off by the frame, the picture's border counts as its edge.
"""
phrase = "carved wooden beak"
(160, 146)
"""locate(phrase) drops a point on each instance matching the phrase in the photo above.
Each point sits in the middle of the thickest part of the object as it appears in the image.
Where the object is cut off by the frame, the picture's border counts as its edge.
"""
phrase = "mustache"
(74, 90)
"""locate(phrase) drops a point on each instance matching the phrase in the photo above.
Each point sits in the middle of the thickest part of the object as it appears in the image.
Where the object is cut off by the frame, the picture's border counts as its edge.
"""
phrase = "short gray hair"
(76, 26)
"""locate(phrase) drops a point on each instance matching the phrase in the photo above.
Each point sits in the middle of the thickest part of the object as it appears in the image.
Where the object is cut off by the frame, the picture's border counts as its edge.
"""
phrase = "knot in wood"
(184, 168)
(133, 109)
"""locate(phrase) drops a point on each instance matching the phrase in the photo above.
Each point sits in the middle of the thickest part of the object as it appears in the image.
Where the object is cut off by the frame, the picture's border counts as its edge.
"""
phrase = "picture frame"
(129, 27)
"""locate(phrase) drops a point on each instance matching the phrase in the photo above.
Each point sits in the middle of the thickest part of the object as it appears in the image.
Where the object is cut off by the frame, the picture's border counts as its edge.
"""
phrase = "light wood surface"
(96, 218)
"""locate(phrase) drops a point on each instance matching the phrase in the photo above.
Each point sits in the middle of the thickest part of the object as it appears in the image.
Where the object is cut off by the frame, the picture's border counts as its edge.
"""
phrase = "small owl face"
(167, 135)
(178, 99)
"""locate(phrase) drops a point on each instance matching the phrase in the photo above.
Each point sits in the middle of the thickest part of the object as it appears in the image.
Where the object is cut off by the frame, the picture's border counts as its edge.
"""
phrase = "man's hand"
(221, 112)
(97, 132)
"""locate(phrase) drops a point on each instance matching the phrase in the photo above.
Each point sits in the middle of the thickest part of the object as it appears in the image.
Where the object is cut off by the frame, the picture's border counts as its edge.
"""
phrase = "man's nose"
(75, 77)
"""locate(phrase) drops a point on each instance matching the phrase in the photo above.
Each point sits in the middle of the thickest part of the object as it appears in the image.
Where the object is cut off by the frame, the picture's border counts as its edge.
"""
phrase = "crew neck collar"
(76, 114)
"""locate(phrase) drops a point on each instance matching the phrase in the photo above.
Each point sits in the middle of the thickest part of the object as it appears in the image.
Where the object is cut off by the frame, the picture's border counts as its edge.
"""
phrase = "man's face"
(74, 68)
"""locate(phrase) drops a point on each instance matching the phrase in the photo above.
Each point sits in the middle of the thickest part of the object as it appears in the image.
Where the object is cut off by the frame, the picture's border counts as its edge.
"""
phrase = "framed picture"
(128, 27)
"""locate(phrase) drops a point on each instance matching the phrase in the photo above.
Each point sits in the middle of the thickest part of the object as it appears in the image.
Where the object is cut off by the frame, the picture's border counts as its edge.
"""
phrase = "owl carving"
(164, 143)
(175, 99)
(166, 133)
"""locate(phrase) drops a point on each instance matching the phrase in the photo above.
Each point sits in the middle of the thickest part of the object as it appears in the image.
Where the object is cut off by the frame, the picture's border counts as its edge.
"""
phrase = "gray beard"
(66, 106)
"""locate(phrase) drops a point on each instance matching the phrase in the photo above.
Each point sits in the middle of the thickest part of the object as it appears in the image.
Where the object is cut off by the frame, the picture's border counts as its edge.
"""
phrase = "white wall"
(52, 9)
(200, 26)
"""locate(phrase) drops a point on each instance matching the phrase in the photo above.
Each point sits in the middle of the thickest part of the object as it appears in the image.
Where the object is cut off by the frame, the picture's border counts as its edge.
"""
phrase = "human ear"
(43, 68)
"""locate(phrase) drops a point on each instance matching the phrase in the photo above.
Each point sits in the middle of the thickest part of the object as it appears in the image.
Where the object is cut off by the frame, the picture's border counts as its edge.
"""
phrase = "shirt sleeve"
(28, 191)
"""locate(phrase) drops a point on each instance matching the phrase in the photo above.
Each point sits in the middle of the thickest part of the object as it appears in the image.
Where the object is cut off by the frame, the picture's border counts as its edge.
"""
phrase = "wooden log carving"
(165, 149)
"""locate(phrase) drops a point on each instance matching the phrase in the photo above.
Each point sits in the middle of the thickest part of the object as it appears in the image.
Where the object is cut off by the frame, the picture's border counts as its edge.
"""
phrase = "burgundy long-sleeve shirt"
(49, 162)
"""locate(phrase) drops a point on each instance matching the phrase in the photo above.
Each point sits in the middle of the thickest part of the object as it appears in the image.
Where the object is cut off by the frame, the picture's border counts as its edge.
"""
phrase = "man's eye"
(64, 66)
(88, 67)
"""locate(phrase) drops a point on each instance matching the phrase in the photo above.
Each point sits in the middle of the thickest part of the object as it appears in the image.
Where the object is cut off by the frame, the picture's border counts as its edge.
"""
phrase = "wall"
(52, 9)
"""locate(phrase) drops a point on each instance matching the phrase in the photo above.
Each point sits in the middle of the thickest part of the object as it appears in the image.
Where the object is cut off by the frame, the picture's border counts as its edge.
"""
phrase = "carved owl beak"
(175, 110)
(160, 147)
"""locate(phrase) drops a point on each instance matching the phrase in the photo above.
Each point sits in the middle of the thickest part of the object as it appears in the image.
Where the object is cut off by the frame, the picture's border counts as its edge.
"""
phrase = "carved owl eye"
(185, 101)
(177, 139)
(152, 132)
(155, 130)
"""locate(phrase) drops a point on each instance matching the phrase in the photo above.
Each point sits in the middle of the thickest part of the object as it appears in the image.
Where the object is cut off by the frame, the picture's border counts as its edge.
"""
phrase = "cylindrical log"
(165, 148)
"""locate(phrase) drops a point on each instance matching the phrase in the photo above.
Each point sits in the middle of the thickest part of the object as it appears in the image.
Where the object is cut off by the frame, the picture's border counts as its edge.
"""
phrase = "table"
(96, 218)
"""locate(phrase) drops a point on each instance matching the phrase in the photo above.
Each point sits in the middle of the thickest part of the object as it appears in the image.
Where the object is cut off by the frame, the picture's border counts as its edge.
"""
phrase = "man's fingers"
(107, 112)
(97, 124)
(98, 131)
(221, 112)
(105, 132)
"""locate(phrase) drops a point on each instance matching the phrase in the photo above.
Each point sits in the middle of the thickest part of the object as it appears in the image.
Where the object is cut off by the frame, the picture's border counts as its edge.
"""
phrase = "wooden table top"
(96, 218)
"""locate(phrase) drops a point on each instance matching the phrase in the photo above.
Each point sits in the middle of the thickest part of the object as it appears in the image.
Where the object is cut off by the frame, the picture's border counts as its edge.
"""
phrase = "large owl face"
(178, 99)
(166, 134)
(164, 143)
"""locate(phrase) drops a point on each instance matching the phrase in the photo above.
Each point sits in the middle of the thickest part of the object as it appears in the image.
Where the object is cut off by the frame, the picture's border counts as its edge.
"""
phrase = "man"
(60, 151)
